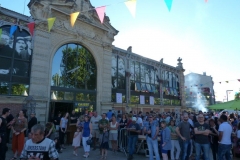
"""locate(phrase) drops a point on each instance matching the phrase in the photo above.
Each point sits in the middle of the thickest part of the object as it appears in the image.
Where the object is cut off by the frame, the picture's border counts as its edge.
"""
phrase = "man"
(57, 120)
(225, 144)
(32, 122)
(183, 131)
(201, 131)
(38, 147)
(109, 114)
(95, 130)
(102, 124)
(152, 131)
(134, 130)
(73, 117)
(3, 133)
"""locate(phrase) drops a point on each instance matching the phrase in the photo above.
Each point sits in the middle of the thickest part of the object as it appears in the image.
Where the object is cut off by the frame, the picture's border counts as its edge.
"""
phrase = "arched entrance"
(73, 80)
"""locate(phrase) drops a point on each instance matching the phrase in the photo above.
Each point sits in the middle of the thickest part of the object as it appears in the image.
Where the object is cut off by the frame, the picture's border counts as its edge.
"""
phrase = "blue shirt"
(86, 129)
(153, 127)
(109, 115)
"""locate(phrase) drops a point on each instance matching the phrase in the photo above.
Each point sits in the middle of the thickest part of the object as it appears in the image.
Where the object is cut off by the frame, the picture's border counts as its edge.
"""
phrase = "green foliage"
(237, 96)
(18, 89)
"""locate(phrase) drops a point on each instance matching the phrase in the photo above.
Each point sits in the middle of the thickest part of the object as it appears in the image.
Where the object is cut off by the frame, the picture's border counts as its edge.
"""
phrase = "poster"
(119, 97)
(151, 100)
(142, 99)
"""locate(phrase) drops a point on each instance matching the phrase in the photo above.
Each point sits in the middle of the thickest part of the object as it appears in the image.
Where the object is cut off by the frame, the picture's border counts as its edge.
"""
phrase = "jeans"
(186, 147)
(202, 147)
(132, 140)
(224, 150)
(175, 144)
(153, 147)
(61, 136)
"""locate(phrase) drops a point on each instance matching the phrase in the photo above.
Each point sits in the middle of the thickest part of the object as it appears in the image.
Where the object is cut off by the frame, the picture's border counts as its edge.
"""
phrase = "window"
(15, 61)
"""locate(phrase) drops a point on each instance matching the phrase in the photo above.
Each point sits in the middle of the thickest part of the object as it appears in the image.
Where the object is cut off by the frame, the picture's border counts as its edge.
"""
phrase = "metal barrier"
(123, 140)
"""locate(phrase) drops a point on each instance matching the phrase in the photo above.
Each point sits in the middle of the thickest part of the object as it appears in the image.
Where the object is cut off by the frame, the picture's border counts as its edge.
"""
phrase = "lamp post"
(227, 93)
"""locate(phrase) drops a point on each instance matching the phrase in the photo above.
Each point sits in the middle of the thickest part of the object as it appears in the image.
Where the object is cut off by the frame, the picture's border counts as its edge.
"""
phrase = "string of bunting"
(130, 4)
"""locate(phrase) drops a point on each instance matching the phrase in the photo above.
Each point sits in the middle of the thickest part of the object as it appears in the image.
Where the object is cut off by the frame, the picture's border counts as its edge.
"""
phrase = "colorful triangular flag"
(50, 23)
(73, 18)
(169, 4)
(226, 81)
(12, 30)
(239, 80)
(31, 27)
(206, 1)
(220, 82)
(0, 33)
(101, 12)
(131, 5)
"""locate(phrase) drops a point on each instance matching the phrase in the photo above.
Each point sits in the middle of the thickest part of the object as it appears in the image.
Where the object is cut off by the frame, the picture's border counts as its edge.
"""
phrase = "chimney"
(204, 73)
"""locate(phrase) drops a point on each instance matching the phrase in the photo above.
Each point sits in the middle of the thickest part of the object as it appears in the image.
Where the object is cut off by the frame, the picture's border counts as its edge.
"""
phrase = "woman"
(113, 134)
(123, 122)
(165, 140)
(213, 138)
(86, 134)
(174, 141)
(63, 129)
(18, 128)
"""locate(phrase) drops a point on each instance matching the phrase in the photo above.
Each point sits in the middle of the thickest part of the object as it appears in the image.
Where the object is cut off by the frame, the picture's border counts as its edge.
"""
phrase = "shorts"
(164, 151)
(113, 136)
(95, 133)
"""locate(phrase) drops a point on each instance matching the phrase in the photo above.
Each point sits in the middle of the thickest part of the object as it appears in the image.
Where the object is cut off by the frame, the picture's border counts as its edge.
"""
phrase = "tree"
(237, 96)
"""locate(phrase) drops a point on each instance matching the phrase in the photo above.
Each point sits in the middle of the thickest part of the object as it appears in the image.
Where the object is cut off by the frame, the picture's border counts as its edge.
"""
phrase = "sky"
(205, 35)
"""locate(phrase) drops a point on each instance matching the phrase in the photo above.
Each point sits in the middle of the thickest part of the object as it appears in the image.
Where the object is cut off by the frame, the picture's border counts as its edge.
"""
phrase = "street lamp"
(227, 93)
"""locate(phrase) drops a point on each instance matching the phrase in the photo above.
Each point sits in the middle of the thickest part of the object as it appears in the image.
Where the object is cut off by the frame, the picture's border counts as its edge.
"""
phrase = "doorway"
(62, 107)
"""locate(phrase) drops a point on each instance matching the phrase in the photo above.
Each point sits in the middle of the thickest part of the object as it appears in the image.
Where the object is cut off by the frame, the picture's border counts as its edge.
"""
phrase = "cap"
(134, 119)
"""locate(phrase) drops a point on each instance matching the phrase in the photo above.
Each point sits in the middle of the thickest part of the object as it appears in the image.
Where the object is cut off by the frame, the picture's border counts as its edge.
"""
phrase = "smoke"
(194, 97)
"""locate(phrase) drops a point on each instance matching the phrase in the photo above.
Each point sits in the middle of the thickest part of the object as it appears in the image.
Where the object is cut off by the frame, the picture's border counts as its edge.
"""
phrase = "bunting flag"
(220, 82)
(50, 23)
(131, 5)
(12, 30)
(206, 1)
(101, 12)
(73, 18)
(31, 27)
(0, 33)
(226, 81)
(239, 80)
(169, 4)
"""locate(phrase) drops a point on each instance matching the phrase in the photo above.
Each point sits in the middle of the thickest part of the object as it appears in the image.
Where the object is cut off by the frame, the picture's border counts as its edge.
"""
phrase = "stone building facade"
(52, 81)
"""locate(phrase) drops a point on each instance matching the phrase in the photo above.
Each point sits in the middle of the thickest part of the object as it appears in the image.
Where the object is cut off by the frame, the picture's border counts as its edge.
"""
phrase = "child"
(104, 143)
(76, 141)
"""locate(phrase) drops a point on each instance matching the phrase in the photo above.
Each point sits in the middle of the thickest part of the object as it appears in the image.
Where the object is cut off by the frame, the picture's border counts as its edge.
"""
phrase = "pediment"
(43, 9)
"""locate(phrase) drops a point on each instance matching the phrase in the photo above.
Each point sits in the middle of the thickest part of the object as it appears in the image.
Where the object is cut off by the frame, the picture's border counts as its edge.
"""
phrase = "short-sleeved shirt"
(200, 138)
(94, 120)
(134, 126)
(184, 129)
(226, 128)
(103, 122)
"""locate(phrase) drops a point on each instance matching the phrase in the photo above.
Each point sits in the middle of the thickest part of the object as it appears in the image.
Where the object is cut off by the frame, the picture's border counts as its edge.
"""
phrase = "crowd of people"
(169, 135)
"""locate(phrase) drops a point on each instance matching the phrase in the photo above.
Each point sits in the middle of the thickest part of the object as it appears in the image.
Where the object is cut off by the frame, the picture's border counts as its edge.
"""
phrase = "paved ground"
(94, 155)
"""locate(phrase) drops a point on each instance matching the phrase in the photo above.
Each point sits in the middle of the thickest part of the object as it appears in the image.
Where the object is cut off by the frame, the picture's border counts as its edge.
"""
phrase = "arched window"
(74, 67)
(15, 61)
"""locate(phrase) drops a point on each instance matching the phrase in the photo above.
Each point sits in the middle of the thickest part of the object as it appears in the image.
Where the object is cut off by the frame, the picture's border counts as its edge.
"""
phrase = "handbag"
(89, 141)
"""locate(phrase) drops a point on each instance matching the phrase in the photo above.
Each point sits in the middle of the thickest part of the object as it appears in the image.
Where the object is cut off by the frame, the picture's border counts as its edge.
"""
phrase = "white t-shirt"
(140, 121)
(94, 120)
(226, 128)
(238, 134)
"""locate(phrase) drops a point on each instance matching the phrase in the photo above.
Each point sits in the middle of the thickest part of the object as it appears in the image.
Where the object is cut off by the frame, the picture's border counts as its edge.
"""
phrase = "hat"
(134, 119)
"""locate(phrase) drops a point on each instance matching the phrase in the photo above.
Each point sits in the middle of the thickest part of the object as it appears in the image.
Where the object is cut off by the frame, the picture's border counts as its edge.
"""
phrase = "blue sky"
(205, 35)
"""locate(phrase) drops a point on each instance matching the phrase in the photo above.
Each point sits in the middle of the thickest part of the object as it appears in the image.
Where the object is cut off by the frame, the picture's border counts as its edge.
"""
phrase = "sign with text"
(142, 99)
(119, 97)
(151, 100)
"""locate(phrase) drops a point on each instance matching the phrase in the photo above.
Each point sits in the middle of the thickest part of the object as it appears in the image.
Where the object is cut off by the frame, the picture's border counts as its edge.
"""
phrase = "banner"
(12, 30)
(131, 5)
(101, 13)
(151, 100)
(73, 18)
(119, 97)
(169, 4)
(0, 33)
(142, 99)
(50, 23)
(31, 27)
